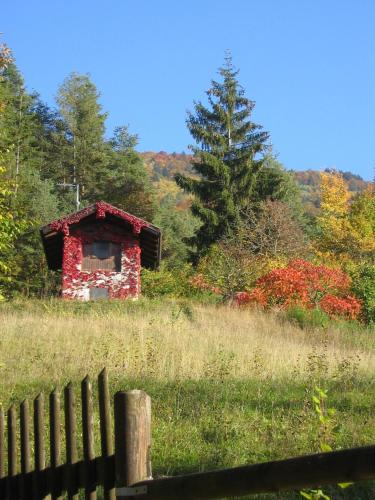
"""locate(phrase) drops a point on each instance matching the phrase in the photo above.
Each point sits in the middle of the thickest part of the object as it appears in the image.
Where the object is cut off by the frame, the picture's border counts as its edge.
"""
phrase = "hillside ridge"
(163, 166)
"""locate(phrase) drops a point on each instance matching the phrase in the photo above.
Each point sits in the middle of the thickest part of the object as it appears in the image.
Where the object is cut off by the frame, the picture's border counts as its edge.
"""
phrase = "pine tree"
(86, 159)
(19, 124)
(126, 183)
(228, 159)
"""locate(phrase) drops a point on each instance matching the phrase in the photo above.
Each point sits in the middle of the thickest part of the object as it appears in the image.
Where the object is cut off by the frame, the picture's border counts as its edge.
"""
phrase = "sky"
(308, 64)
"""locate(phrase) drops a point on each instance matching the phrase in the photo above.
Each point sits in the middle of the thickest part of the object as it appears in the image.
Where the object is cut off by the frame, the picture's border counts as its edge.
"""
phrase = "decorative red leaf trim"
(101, 208)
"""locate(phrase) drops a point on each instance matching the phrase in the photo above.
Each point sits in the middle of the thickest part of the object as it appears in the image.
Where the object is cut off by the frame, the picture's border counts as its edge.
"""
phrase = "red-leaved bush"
(304, 284)
(242, 298)
(348, 307)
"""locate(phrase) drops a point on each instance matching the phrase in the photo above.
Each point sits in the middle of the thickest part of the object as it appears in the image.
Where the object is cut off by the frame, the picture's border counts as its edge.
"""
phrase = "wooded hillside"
(163, 166)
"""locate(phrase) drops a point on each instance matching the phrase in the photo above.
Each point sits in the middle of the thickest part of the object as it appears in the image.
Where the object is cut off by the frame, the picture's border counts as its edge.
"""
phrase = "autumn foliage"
(348, 307)
(347, 224)
(304, 284)
(200, 283)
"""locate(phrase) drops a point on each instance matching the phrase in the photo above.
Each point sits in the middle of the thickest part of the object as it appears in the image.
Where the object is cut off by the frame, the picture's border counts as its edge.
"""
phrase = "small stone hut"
(100, 251)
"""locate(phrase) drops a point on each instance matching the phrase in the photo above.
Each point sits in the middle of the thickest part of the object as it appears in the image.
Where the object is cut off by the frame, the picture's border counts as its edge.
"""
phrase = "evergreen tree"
(110, 170)
(177, 226)
(30, 200)
(19, 124)
(57, 153)
(229, 159)
(126, 183)
(37, 205)
(86, 159)
(274, 183)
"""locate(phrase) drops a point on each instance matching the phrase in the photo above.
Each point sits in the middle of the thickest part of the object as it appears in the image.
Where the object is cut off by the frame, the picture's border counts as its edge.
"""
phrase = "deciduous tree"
(347, 226)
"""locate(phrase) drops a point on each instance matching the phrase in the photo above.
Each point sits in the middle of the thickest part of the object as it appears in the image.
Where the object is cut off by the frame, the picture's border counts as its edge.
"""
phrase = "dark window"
(98, 293)
(101, 255)
(101, 249)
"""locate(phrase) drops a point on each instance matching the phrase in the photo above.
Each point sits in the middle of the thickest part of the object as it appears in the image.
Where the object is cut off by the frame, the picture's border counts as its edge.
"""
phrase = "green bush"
(171, 283)
(229, 269)
(363, 286)
(313, 318)
(159, 283)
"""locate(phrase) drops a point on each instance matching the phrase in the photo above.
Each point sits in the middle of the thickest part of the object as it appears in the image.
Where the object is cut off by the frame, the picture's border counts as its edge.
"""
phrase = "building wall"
(76, 283)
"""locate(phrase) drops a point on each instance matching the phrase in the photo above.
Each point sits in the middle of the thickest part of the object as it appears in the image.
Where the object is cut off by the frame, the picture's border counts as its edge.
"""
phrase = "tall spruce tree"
(228, 158)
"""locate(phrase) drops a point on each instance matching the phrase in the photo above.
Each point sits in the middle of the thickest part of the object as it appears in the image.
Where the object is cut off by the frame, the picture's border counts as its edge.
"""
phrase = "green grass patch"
(228, 386)
(210, 424)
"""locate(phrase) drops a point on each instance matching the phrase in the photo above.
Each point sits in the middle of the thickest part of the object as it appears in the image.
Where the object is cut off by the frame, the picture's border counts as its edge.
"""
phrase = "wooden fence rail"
(356, 464)
(125, 469)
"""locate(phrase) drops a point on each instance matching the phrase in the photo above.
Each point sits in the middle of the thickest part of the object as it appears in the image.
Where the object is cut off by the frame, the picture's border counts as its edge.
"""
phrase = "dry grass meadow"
(170, 341)
(228, 386)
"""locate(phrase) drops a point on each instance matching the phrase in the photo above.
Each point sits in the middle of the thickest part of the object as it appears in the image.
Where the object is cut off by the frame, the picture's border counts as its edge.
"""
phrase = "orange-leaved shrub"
(306, 285)
(348, 307)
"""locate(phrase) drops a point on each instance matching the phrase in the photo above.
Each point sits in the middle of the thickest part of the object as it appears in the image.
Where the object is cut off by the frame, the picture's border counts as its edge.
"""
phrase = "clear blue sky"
(308, 64)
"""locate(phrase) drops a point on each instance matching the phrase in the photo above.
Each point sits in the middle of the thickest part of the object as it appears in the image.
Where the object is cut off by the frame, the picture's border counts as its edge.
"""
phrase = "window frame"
(92, 261)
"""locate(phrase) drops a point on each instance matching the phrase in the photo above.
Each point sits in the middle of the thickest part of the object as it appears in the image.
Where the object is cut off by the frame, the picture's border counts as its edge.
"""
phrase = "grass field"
(228, 386)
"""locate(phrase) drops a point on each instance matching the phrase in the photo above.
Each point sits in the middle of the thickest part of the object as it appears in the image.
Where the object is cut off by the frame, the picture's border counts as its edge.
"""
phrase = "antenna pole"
(77, 197)
(74, 186)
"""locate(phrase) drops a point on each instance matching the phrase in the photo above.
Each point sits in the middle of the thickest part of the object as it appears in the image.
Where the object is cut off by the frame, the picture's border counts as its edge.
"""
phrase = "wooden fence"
(124, 470)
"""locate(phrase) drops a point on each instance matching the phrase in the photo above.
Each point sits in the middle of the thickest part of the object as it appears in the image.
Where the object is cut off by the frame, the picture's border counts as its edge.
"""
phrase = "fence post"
(106, 434)
(12, 453)
(2, 447)
(132, 441)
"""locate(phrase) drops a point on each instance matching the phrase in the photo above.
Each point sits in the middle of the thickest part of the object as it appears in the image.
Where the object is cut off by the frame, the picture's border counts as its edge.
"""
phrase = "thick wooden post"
(132, 440)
